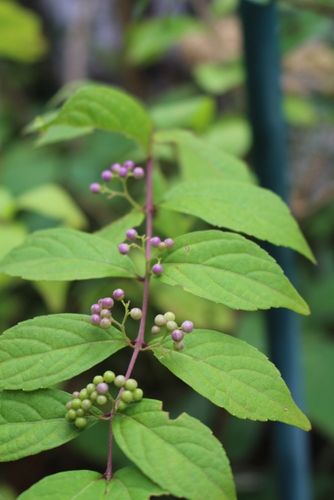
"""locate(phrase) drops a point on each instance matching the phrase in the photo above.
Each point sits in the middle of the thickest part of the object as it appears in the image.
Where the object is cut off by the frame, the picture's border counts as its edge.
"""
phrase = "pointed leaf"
(233, 375)
(229, 269)
(126, 484)
(49, 349)
(32, 422)
(241, 207)
(180, 455)
(66, 254)
(115, 232)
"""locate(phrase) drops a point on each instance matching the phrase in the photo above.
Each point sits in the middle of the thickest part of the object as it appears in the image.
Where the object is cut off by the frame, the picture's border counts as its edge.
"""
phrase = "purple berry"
(138, 173)
(187, 326)
(95, 319)
(95, 187)
(169, 242)
(123, 248)
(131, 234)
(105, 323)
(177, 335)
(157, 269)
(115, 168)
(155, 241)
(118, 294)
(106, 175)
(123, 172)
(129, 164)
(95, 309)
(102, 388)
(107, 302)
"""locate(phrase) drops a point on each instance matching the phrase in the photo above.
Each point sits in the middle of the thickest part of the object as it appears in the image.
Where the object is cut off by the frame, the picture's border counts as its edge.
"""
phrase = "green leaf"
(231, 134)
(7, 204)
(229, 269)
(241, 207)
(66, 254)
(233, 375)
(32, 422)
(54, 294)
(58, 133)
(199, 159)
(126, 484)
(219, 78)
(115, 232)
(53, 201)
(46, 350)
(106, 108)
(11, 236)
(180, 455)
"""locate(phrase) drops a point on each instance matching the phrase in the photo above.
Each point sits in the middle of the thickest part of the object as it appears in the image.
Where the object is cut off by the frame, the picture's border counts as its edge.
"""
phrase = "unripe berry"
(138, 173)
(109, 376)
(157, 269)
(171, 325)
(119, 381)
(155, 329)
(97, 380)
(121, 405)
(71, 415)
(105, 313)
(162, 245)
(86, 404)
(76, 394)
(101, 400)
(177, 335)
(107, 302)
(95, 309)
(129, 164)
(160, 320)
(93, 395)
(76, 403)
(69, 405)
(115, 168)
(95, 319)
(169, 242)
(106, 175)
(102, 388)
(155, 241)
(138, 394)
(131, 234)
(105, 323)
(80, 422)
(170, 316)
(187, 326)
(80, 412)
(83, 394)
(90, 388)
(95, 187)
(118, 294)
(136, 313)
(131, 384)
(127, 396)
(179, 346)
(123, 248)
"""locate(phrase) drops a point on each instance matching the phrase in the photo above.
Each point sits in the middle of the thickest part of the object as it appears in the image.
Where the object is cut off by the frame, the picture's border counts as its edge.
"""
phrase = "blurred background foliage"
(184, 59)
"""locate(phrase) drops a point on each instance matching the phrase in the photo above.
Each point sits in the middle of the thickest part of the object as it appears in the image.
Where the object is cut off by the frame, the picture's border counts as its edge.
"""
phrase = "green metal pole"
(260, 31)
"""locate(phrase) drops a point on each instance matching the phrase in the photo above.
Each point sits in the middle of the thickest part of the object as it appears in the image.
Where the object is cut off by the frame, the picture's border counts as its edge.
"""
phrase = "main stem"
(139, 342)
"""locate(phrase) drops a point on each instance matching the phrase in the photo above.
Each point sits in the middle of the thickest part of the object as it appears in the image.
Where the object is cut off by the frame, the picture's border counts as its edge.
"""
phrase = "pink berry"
(187, 326)
(169, 242)
(95, 319)
(118, 294)
(177, 335)
(107, 302)
(95, 309)
(76, 394)
(157, 269)
(155, 241)
(102, 388)
(131, 234)
(129, 164)
(115, 168)
(123, 172)
(106, 175)
(138, 173)
(123, 248)
(95, 187)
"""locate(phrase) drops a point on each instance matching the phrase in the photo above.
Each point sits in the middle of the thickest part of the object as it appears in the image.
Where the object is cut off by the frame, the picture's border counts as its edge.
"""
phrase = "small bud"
(115, 168)
(171, 325)
(80, 422)
(138, 173)
(169, 316)
(102, 388)
(95, 187)
(93, 396)
(177, 335)
(101, 400)
(155, 329)
(106, 175)
(107, 302)
(157, 269)
(160, 320)
(129, 164)
(119, 381)
(105, 313)
(121, 405)
(80, 412)
(98, 379)
(169, 242)
(86, 404)
(187, 326)
(155, 241)
(76, 394)
(95, 309)
(123, 172)
(105, 323)
(162, 245)
(109, 376)
(131, 384)
(76, 403)
(69, 405)
(71, 415)
(90, 388)
(83, 394)
(179, 346)
(138, 394)
(131, 234)
(136, 313)
(123, 248)
(127, 396)
(118, 294)
(95, 319)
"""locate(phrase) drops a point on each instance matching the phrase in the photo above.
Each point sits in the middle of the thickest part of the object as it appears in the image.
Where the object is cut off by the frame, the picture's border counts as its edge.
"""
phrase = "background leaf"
(115, 232)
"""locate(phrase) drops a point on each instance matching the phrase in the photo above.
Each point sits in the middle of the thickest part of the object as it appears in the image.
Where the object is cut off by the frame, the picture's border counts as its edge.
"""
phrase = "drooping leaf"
(198, 159)
(180, 455)
(66, 254)
(233, 375)
(228, 268)
(241, 207)
(126, 484)
(115, 232)
(32, 422)
(58, 133)
(46, 350)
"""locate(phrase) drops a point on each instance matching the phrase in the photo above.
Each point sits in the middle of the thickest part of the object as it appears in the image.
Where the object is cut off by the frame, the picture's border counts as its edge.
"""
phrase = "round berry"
(97, 380)
(171, 325)
(127, 396)
(162, 245)
(93, 395)
(160, 320)
(83, 394)
(76, 394)
(170, 316)
(131, 384)
(95, 187)
(121, 405)
(107, 302)
(131, 234)
(187, 326)
(109, 376)
(138, 394)
(86, 404)
(101, 400)
(106, 175)
(90, 388)
(80, 412)
(95, 309)
(102, 388)
(76, 403)
(157, 269)
(119, 381)
(138, 173)
(129, 164)
(123, 172)
(179, 346)
(136, 313)
(105, 323)
(123, 248)
(69, 405)
(118, 294)
(169, 242)
(95, 319)
(80, 422)
(177, 335)
(71, 415)
(115, 168)
(105, 313)
(155, 241)
(155, 329)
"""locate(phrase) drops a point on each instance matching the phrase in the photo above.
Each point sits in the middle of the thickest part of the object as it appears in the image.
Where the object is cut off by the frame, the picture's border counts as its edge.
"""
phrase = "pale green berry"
(69, 405)
(171, 325)
(179, 346)
(98, 379)
(83, 394)
(121, 405)
(119, 381)
(76, 403)
(101, 399)
(160, 320)
(108, 376)
(138, 394)
(170, 316)
(136, 313)
(131, 384)
(86, 404)
(80, 422)
(90, 388)
(80, 412)
(105, 313)
(93, 396)
(155, 329)
(127, 396)
(71, 415)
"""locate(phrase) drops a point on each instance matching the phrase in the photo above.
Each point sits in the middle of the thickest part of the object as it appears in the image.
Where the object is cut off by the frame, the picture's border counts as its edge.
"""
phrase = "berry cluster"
(97, 393)
(132, 235)
(167, 321)
(101, 311)
(161, 244)
(117, 170)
